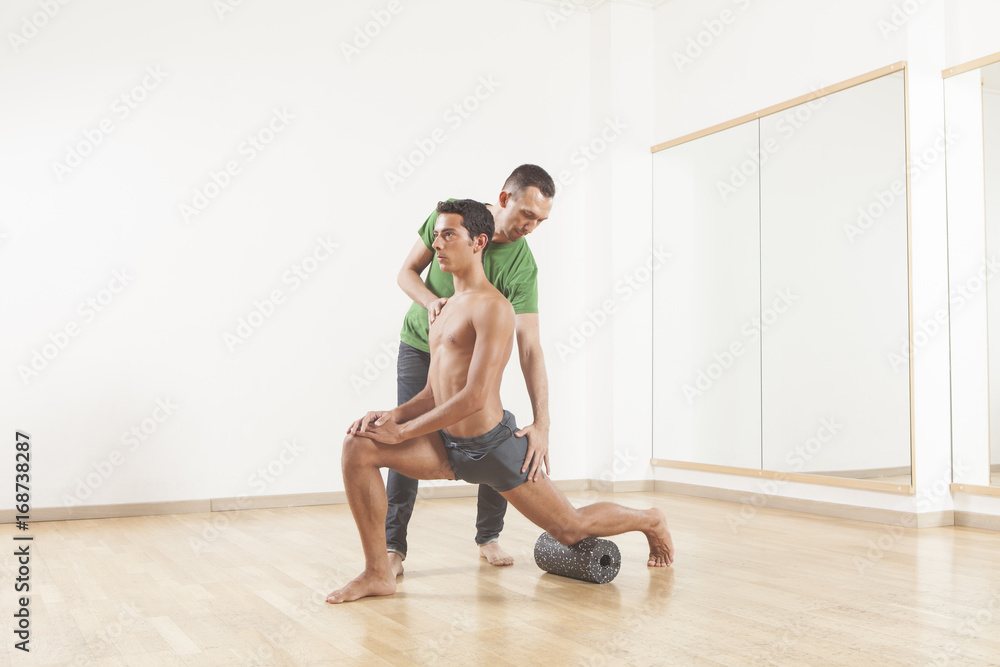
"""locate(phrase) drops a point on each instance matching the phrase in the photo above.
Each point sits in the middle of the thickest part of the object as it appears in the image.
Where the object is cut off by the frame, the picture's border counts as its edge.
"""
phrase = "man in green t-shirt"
(523, 204)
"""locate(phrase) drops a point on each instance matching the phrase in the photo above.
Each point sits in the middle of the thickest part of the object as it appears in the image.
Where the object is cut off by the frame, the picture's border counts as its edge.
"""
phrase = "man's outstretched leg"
(546, 506)
(361, 461)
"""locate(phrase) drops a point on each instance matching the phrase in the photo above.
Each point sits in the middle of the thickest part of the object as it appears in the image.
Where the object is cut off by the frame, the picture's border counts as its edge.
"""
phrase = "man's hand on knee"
(359, 426)
(382, 429)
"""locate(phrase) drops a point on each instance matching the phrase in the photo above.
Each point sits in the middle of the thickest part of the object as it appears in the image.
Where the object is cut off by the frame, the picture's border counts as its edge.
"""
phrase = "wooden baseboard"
(634, 486)
(111, 511)
(976, 520)
(853, 512)
(869, 473)
(271, 502)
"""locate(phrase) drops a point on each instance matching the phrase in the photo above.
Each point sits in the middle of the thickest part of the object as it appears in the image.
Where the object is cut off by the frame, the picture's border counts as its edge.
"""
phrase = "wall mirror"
(782, 324)
(972, 119)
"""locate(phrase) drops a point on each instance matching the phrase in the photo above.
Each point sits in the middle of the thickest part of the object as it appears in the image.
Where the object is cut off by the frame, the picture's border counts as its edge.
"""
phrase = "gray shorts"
(493, 458)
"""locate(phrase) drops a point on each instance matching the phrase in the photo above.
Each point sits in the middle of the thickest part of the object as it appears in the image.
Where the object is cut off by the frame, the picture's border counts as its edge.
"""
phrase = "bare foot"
(395, 563)
(365, 584)
(495, 555)
(661, 545)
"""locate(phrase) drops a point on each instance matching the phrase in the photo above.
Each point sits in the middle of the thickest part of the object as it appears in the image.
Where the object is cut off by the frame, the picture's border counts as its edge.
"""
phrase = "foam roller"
(592, 559)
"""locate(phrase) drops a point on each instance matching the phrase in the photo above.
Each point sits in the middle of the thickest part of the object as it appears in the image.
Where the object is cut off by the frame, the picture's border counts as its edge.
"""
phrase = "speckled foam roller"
(593, 559)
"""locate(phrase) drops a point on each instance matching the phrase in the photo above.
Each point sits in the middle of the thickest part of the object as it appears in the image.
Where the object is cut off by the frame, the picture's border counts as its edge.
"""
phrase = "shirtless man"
(456, 428)
(523, 204)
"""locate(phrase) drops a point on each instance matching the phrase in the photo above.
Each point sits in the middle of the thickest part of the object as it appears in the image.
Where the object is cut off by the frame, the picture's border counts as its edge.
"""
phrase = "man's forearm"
(458, 407)
(413, 408)
(537, 382)
(411, 284)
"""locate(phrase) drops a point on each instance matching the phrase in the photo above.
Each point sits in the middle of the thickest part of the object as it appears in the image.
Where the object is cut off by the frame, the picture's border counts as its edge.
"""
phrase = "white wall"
(616, 325)
(283, 397)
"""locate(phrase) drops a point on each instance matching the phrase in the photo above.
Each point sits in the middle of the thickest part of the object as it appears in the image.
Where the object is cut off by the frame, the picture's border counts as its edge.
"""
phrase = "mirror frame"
(812, 478)
(963, 487)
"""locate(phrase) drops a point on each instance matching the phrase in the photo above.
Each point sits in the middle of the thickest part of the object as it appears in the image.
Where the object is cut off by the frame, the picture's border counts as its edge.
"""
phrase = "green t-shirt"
(509, 266)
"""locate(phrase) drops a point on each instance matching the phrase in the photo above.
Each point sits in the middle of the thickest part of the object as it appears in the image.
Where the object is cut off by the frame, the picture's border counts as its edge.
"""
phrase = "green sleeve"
(524, 295)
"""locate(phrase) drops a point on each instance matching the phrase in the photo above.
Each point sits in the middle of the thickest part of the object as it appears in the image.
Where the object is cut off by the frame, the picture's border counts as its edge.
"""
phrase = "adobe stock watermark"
(788, 123)
(454, 118)
(32, 25)
(621, 463)
(259, 480)
(131, 440)
(884, 200)
(561, 14)
(624, 289)
(225, 7)
(924, 501)
(265, 308)
(971, 627)
(373, 367)
(712, 30)
(898, 17)
(300, 615)
(789, 637)
(266, 475)
(365, 34)
(120, 109)
(586, 154)
(252, 145)
(87, 310)
(436, 649)
(263, 655)
(108, 637)
(633, 624)
(925, 330)
(722, 361)
(796, 459)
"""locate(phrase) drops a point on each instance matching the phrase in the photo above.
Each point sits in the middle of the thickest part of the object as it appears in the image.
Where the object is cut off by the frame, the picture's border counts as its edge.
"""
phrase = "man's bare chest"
(452, 329)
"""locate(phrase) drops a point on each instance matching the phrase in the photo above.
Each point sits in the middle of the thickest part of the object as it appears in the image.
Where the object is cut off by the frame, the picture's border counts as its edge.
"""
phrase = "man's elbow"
(526, 354)
(401, 278)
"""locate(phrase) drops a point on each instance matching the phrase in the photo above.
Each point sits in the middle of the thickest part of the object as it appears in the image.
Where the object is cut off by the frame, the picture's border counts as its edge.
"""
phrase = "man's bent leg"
(546, 506)
(362, 459)
(411, 377)
(489, 522)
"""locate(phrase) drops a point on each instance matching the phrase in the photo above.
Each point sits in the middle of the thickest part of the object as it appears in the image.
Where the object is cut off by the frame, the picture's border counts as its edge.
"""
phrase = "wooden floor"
(761, 587)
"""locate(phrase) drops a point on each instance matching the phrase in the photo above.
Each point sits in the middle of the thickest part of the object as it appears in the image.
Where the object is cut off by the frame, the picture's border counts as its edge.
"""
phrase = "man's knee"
(568, 531)
(357, 451)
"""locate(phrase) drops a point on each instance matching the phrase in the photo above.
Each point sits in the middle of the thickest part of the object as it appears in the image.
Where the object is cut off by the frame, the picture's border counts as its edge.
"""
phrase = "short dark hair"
(476, 218)
(530, 175)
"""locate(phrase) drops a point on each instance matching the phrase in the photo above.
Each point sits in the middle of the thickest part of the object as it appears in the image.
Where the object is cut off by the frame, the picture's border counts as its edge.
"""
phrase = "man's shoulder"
(491, 303)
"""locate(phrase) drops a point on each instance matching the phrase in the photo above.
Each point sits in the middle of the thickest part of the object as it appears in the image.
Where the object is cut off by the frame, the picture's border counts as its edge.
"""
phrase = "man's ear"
(503, 199)
(481, 242)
